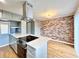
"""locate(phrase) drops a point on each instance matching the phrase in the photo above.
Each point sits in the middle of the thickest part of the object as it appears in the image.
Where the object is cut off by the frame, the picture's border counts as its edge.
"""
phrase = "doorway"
(4, 28)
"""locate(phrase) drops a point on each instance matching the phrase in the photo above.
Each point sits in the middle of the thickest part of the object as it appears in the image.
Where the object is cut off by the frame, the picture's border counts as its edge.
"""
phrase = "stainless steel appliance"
(22, 46)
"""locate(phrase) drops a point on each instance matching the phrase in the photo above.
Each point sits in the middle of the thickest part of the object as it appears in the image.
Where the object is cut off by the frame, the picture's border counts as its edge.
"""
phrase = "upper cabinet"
(9, 16)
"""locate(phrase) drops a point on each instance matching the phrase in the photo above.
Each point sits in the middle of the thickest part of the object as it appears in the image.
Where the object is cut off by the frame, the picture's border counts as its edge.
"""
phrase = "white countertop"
(37, 42)
(18, 35)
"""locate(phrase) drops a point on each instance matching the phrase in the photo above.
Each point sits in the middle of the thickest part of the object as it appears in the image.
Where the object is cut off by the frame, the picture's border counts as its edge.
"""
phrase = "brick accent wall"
(61, 28)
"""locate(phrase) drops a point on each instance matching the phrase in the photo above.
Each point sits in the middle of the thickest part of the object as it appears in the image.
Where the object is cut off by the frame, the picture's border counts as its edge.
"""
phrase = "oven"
(22, 46)
(21, 49)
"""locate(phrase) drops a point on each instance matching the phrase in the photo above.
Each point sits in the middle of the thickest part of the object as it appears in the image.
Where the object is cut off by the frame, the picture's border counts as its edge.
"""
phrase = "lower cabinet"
(30, 52)
(39, 51)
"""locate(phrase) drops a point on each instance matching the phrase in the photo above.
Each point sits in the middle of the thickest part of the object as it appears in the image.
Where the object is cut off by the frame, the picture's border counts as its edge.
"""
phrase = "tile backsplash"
(61, 28)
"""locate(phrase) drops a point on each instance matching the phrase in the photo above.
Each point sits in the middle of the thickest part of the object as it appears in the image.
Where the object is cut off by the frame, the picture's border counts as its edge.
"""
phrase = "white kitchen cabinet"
(14, 46)
(6, 15)
(23, 27)
(30, 52)
(13, 43)
(38, 52)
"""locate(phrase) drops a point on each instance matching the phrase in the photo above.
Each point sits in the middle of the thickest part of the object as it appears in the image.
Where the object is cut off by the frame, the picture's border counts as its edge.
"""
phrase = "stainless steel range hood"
(24, 11)
(27, 11)
(27, 23)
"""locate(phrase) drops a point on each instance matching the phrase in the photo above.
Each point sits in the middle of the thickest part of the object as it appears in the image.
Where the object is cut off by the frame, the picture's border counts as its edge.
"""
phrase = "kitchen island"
(37, 48)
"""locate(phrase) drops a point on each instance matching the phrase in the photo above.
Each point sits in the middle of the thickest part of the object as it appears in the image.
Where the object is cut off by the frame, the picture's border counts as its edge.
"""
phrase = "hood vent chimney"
(27, 12)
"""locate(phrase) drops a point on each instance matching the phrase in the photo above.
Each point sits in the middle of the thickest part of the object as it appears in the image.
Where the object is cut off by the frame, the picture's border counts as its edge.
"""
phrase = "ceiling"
(43, 8)
(14, 6)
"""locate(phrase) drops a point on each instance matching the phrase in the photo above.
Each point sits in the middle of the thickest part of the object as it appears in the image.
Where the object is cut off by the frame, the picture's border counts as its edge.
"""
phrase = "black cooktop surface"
(28, 38)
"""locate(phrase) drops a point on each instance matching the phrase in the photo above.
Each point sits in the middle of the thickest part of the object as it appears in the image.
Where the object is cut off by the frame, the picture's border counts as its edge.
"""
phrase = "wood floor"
(55, 50)
(7, 52)
(60, 50)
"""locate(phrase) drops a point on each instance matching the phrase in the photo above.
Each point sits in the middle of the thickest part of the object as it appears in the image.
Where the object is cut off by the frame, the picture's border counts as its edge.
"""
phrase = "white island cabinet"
(30, 52)
(13, 43)
(36, 48)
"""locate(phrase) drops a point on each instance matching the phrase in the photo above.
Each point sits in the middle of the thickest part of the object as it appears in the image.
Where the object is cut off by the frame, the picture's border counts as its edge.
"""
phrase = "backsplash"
(61, 28)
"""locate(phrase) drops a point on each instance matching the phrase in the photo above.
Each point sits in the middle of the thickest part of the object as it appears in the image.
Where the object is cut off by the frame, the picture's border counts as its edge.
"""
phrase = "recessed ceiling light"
(49, 14)
(2, 1)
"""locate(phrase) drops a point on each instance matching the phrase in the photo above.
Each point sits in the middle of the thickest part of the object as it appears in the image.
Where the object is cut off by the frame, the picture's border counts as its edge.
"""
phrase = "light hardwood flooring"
(60, 50)
(55, 50)
(7, 52)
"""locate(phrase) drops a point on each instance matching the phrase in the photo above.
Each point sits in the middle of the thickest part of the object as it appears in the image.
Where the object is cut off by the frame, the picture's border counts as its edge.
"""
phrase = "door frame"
(4, 22)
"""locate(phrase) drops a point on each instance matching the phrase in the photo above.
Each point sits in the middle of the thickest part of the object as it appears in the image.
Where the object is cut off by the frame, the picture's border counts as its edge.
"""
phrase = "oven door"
(21, 49)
